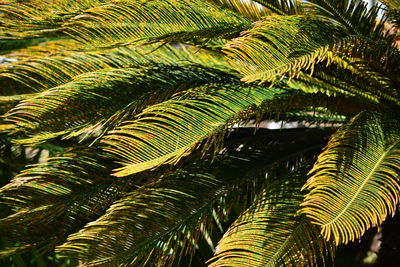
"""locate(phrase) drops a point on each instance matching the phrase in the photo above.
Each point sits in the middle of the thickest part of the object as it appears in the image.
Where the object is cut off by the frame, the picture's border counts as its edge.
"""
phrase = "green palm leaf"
(142, 222)
(270, 234)
(267, 51)
(354, 184)
(95, 105)
(50, 200)
(164, 133)
(168, 214)
(60, 68)
(355, 16)
(124, 22)
(33, 18)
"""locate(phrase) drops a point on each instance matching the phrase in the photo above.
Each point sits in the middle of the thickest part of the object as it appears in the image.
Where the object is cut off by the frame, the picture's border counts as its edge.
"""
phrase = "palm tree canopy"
(145, 109)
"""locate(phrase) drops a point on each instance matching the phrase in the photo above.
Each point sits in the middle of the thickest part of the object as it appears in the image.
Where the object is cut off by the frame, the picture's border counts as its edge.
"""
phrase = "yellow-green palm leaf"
(267, 50)
(164, 133)
(125, 22)
(270, 234)
(95, 105)
(355, 181)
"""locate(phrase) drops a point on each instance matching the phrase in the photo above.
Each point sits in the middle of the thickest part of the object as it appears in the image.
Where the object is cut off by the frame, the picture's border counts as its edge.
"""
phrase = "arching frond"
(176, 204)
(41, 49)
(127, 22)
(8, 102)
(170, 212)
(373, 48)
(355, 16)
(329, 85)
(268, 50)
(56, 198)
(44, 72)
(38, 18)
(53, 199)
(270, 234)
(97, 101)
(355, 182)
(334, 80)
(164, 133)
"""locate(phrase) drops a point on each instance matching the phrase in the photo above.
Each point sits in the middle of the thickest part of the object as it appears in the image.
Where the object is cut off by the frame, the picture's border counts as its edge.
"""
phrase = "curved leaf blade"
(355, 182)
(164, 133)
(270, 234)
(268, 50)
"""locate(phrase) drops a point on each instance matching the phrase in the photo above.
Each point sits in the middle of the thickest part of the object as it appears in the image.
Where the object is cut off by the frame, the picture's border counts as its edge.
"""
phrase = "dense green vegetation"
(128, 130)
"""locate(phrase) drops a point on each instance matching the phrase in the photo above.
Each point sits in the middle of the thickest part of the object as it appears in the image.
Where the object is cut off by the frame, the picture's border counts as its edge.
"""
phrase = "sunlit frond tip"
(355, 182)
(269, 50)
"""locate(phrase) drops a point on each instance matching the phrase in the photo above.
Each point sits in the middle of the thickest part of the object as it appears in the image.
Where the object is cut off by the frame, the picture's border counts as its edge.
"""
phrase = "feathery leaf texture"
(270, 234)
(89, 104)
(60, 196)
(53, 199)
(355, 181)
(33, 18)
(164, 133)
(163, 94)
(46, 71)
(267, 50)
(123, 22)
(119, 236)
(56, 198)
(355, 16)
(168, 214)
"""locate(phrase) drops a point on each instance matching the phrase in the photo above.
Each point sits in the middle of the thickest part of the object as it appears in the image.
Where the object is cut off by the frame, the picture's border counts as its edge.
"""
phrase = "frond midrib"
(361, 187)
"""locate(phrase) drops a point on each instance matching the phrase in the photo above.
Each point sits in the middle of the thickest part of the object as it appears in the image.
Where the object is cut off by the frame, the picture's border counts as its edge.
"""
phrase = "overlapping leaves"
(126, 22)
(96, 101)
(270, 234)
(50, 200)
(267, 50)
(168, 214)
(164, 133)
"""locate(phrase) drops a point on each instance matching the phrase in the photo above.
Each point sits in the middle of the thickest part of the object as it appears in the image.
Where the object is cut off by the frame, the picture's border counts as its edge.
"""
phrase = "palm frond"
(94, 104)
(164, 133)
(372, 48)
(41, 49)
(60, 68)
(268, 50)
(123, 22)
(50, 200)
(355, 16)
(372, 71)
(270, 234)
(330, 85)
(54, 199)
(173, 210)
(33, 19)
(186, 196)
(354, 183)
